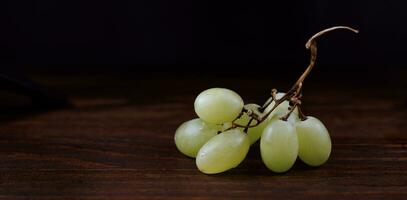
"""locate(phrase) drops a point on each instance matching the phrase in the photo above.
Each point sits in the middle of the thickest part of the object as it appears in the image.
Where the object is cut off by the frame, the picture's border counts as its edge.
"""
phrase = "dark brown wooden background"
(116, 142)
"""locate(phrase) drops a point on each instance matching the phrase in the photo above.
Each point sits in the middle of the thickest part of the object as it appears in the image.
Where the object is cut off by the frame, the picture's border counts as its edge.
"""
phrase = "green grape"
(223, 152)
(192, 135)
(225, 126)
(255, 132)
(314, 141)
(218, 105)
(281, 109)
(293, 119)
(279, 145)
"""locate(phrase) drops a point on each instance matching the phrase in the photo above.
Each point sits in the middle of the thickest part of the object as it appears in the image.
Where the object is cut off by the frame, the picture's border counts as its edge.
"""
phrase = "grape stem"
(294, 95)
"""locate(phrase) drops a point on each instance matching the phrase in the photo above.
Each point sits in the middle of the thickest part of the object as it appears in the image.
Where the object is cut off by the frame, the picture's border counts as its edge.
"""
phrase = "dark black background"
(193, 37)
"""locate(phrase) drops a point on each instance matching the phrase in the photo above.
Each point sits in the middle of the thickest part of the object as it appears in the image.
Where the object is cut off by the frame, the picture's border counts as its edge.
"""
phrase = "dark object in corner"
(41, 96)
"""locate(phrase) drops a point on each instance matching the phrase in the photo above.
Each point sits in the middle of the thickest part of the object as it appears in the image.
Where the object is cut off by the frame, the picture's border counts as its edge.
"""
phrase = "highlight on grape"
(226, 128)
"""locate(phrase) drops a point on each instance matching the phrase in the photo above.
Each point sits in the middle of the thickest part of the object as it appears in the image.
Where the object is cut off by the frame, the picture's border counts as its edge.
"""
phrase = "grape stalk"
(294, 95)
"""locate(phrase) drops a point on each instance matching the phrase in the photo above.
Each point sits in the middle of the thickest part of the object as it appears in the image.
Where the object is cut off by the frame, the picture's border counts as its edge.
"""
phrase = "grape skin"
(254, 133)
(279, 146)
(223, 152)
(218, 105)
(281, 109)
(293, 119)
(192, 135)
(314, 141)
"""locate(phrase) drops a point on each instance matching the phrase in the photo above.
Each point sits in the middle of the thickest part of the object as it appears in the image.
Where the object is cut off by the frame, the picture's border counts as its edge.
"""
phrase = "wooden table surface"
(116, 142)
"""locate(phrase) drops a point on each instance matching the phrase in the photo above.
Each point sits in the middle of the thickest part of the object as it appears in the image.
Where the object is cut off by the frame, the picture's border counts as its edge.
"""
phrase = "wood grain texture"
(116, 142)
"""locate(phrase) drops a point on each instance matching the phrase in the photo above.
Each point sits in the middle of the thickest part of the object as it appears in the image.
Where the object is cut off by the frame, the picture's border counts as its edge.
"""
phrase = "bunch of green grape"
(218, 146)
(226, 128)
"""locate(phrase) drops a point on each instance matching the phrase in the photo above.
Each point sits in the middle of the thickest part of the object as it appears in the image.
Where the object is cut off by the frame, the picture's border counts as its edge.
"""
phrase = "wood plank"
(117, 143)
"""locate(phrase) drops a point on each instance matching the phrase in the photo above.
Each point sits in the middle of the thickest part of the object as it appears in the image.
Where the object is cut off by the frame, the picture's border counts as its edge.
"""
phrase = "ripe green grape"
(225, 126)
(218, 105)
(314, 141)
(293, 119)
(223, 152)
(281, 109)
(192, 135)
(279, 145)
(255, 132)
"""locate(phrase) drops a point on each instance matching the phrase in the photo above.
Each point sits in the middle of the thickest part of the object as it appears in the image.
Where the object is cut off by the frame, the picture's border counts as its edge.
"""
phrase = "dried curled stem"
(294, 95)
